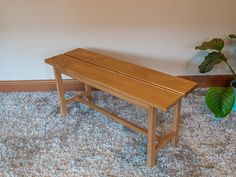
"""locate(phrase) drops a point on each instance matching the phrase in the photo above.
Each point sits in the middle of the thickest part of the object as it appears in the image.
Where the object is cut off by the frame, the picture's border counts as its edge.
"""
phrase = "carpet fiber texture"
(36, 141)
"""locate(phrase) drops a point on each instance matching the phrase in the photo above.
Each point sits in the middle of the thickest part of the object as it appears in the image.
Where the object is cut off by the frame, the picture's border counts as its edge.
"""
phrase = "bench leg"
(151, 148)
(176, 121)
(60, 90)
(88, 89)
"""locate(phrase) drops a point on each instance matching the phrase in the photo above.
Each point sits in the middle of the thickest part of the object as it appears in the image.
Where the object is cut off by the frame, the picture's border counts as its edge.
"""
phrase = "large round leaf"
(220, 100)
(211, 59)
(214, 44)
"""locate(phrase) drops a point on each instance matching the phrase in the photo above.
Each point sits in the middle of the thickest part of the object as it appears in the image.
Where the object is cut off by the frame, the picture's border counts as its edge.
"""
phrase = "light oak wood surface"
(179, 85)
(123, 85)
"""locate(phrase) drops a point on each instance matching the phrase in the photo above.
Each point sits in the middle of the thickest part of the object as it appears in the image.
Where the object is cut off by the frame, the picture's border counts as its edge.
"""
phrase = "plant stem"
(231, 69)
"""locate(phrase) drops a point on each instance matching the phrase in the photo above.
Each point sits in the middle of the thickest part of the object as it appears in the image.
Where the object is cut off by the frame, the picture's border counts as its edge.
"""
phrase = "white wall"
(160, 34)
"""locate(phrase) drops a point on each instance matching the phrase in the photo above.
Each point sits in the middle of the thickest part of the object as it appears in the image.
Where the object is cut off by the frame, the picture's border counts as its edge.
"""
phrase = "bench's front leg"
(176, 122)
(60, 90)
(151, 148)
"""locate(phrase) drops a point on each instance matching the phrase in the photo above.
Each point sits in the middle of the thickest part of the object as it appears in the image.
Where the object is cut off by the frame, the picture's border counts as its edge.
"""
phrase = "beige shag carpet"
(36, 141)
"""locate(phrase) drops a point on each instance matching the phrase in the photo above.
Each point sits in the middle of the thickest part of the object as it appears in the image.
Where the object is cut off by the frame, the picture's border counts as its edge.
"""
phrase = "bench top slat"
(145, 93)
(175, 84)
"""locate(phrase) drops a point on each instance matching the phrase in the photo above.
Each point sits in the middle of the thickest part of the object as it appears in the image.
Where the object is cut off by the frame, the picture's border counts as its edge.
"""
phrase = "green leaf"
(211, 59)
(220, 100)
(214, 44)
(232, 36)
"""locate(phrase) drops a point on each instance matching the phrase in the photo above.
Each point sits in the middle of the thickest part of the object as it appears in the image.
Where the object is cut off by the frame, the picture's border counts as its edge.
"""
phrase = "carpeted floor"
(36, 141)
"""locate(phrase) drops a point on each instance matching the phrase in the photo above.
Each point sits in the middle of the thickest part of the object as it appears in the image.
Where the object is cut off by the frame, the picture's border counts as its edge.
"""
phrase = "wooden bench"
(139, 85)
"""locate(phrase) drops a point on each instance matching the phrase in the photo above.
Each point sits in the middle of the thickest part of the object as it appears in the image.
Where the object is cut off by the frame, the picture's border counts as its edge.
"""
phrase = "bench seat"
(115, 83)
(159, 79)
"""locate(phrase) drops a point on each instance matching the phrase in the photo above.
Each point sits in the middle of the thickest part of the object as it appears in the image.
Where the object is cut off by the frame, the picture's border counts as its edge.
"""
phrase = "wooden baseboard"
(38, 85)
(50, 85)
(210, 81)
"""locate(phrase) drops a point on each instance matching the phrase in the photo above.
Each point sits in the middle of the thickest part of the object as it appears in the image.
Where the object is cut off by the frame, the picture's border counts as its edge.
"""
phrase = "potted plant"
(220, 100)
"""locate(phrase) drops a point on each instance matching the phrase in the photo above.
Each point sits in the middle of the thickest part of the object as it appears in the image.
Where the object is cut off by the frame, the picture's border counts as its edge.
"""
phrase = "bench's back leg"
(151, 148)
(176, 122)
(60, 90)
(88, 89)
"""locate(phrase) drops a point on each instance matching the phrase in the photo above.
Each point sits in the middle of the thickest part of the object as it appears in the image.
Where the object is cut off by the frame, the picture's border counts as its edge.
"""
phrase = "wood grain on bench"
(166, 81)
(115, 83)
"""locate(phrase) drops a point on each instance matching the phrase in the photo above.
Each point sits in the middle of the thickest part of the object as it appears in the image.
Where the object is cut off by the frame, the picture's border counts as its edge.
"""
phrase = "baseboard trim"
(38, 85)
(210, 80)
(70, 84)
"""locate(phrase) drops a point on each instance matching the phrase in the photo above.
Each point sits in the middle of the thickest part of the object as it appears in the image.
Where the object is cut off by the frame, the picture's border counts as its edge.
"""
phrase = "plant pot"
(233, 84)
